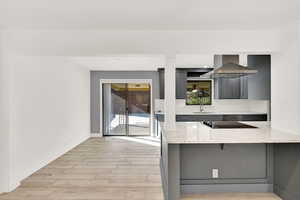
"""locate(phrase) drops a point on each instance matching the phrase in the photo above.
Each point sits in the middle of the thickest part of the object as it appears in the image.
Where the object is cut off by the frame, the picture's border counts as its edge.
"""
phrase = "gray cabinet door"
(229, 88)
(260, 83)
(232, 88)
(181, 78)
(161, 73)
(244, 87)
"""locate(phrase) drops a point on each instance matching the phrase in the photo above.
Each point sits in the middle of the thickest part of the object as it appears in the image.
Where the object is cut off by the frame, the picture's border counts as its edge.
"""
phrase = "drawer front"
(245, 117)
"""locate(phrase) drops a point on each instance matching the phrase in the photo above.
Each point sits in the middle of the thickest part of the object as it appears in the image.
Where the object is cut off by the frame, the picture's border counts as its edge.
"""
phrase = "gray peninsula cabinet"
(196, 160)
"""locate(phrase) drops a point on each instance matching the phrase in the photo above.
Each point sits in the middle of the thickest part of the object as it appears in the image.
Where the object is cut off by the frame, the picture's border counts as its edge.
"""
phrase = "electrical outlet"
(215, 173)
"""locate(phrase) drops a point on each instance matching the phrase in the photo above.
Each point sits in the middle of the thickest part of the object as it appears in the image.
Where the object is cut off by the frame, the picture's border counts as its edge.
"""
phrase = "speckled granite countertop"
(198, 133)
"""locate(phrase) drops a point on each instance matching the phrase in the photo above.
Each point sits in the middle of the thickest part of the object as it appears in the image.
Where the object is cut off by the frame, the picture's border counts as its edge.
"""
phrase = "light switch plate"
(215, 173)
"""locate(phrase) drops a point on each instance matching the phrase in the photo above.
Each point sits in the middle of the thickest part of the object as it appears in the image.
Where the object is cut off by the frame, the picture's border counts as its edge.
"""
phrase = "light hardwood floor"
(101, 168)
(111, 168)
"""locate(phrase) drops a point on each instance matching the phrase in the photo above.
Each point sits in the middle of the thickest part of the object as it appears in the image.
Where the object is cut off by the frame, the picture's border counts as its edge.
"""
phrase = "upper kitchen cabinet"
(181, 78)
(227, 87)
(259, 84)
(161, 74)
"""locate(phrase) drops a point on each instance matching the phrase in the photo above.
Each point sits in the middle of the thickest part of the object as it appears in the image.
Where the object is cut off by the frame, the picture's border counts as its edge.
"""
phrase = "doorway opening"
(126, 109)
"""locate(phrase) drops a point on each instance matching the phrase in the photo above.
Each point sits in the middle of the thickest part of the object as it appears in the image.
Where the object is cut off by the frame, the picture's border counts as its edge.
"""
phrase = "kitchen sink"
(202, 112)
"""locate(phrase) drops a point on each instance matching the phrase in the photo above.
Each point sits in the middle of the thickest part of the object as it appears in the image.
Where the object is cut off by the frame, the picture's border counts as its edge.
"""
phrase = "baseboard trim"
(214, 188)
(96, 135)
(14, 186)
(10, 188)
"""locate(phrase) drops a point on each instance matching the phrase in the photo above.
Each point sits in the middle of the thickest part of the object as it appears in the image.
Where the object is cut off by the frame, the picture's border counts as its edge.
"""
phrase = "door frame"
(148, 81)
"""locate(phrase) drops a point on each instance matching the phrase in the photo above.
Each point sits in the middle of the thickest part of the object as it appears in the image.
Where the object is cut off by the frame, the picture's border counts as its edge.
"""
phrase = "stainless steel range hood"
(231, 68)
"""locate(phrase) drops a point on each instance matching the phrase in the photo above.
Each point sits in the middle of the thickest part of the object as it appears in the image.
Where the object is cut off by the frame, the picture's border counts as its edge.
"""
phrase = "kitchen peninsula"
(197, 159)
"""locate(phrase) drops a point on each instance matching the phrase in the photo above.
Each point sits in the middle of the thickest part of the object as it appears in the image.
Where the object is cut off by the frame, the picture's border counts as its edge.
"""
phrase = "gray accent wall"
(96, 76)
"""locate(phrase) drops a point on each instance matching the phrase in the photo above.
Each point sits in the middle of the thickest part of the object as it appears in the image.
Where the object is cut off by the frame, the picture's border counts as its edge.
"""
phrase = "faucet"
(201, 108)
(201, 105)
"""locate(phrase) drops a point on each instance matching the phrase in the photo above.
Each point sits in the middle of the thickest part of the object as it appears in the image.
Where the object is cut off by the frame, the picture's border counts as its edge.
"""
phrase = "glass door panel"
(126, 109)
(139, 105)
(114, 109)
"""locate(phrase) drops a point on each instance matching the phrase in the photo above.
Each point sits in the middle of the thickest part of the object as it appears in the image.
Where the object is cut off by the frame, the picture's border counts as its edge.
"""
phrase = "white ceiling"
(147, 14)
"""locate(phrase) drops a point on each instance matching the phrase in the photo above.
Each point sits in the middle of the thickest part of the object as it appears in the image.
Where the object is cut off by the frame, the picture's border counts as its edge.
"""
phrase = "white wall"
(130, 62)
(95, 43)
(170, 94)
(51, 101)
(194, 60)
(4, 121)
(285, 81)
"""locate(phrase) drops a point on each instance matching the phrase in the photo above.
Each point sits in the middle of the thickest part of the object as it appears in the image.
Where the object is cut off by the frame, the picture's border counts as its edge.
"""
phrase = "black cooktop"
(226, 124)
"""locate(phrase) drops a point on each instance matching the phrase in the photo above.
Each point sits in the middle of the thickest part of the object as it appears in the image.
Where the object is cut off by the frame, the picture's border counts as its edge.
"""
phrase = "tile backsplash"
(219, 105)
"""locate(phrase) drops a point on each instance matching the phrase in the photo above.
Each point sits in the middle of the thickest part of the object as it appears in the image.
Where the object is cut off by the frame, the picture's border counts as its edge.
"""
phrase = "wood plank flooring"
(111, 168)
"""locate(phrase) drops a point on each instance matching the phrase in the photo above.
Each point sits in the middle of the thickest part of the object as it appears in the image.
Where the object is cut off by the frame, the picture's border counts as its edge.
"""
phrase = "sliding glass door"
(126, 109)
(138, 100)
(114, 109)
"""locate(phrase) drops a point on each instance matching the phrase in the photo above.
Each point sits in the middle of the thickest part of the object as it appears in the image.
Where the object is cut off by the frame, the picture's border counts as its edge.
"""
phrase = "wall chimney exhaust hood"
(232, 70)
(227, 66)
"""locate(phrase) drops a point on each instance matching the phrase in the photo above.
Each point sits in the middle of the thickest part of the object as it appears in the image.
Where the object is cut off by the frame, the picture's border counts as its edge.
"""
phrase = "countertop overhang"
(216, 113)
(198, 133)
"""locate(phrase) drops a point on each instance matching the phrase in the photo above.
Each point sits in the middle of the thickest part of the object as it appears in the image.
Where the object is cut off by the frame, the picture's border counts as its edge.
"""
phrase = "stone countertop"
(198, 133)
(216, 113)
